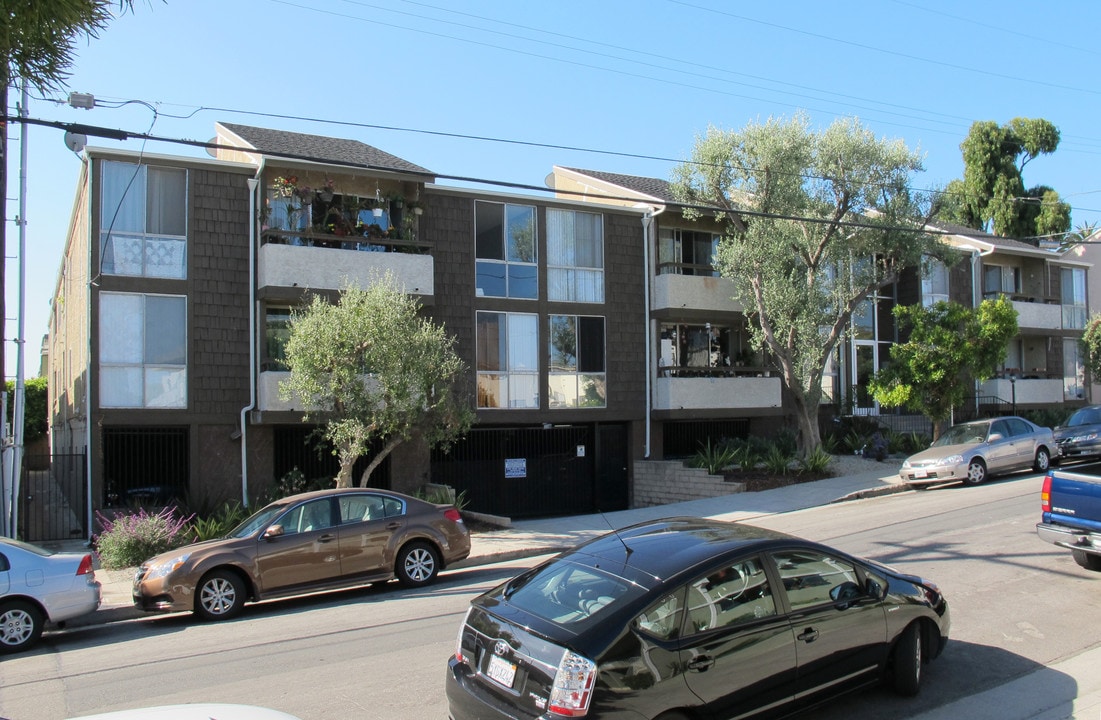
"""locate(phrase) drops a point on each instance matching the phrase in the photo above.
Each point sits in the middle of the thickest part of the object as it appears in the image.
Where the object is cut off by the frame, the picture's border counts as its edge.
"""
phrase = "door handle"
(808, 636)
(327, 537)
(701, 663)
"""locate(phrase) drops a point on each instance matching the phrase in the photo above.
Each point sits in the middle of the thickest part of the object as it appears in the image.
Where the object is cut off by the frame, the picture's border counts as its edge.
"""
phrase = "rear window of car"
(566, 593)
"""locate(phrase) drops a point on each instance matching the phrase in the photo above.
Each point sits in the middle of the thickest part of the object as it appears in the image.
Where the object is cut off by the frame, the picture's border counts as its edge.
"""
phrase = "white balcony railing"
(1038, 315)
(694, 292)
(322, 268)
(1033, 391)
(716, 393)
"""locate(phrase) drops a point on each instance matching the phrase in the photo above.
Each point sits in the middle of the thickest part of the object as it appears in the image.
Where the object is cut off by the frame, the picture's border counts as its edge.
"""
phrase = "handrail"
(311, 238)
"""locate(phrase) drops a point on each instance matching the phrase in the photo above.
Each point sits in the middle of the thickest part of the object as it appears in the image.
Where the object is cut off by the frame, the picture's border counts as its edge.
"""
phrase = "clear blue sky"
(621, 76)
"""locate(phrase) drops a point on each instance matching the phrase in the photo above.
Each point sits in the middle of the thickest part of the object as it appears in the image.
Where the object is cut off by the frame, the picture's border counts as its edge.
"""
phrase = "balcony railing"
(323, 261)
(717, 392)
(694, 292)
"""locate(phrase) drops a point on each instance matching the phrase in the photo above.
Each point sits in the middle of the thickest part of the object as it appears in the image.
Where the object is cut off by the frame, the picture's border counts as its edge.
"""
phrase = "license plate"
(920, 473)
(501, 670)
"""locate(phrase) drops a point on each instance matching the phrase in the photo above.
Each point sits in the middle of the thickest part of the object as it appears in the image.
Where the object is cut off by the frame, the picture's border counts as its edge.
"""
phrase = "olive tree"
(372, 367)
(815, 223)
(949, 346)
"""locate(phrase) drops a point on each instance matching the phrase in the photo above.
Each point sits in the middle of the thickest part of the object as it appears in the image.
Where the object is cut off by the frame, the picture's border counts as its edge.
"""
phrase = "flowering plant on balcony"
(285, 186)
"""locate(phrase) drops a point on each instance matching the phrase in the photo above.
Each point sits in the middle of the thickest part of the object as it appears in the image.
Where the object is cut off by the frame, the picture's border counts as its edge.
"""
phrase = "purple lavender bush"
(130, 539)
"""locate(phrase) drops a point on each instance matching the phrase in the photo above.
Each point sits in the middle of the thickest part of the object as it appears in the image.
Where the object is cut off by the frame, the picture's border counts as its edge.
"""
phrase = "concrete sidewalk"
(551, 535)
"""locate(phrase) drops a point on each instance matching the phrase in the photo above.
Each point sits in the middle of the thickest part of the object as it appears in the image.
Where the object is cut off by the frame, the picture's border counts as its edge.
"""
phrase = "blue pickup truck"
(1071, 505)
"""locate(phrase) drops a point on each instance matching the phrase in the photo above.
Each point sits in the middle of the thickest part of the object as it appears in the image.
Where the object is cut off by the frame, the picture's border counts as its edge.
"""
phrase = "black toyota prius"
(686, 617)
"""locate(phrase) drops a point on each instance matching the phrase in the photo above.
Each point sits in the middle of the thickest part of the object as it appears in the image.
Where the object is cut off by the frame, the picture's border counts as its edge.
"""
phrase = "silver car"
(973, 451)
(38, 586)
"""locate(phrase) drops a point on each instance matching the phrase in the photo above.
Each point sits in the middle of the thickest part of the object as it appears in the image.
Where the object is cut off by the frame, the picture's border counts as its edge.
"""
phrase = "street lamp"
(1013, 387)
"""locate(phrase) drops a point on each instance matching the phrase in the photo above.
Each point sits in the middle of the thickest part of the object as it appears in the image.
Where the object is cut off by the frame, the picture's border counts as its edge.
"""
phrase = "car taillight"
(459, 640)
(453, 515)
(85, 566)
(573, 686)
(1045, 494)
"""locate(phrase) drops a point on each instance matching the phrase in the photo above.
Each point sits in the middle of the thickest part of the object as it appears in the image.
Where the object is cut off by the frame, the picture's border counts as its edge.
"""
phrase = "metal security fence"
(681, 439)
(53, 501)
(145, 465)
(302, 447)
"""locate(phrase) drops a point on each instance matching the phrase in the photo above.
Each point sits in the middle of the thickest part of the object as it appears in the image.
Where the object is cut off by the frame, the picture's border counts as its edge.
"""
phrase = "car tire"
(1043, 460)
(1087, 560)
(907, 660)
(417, 564)
(976, 472)
(220, 595)
(20, 625)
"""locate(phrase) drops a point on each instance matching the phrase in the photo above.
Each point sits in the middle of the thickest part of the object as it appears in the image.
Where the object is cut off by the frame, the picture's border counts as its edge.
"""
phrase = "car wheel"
(219, 596)
(1087, 560)
(906, 678)
(20, 625)
(1043, 460)
(976, 472)
(417, 564)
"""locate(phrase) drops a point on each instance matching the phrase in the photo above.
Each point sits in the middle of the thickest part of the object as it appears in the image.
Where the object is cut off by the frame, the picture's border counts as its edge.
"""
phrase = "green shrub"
(778, 460)
(817, 462)
(294, 482)
(219, 523)
(714, 458)
(831, 444)
(130, 539)
(442, 495)
(747, 455)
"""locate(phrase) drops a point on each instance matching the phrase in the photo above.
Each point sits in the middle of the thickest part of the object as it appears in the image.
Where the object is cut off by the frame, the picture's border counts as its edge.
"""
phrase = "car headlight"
(906, 463)
(953, 460)
(167, 566)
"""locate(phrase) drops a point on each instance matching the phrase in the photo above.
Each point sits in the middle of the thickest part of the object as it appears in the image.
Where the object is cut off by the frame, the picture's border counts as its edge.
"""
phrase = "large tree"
(817, 221)
(992, 195)
(371, 367)
(37, 39)
(949, 346)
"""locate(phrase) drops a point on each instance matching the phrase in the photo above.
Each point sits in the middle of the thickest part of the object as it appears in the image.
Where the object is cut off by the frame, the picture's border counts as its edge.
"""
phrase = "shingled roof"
(998, 241)
(321, 149)
(652, 187)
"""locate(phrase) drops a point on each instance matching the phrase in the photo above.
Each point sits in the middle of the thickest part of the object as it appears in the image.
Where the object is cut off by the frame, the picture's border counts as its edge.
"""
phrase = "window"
(997, 279)
(1074, 371)
(505, 250)
(308, 517)
(663, 618)
(1074, 298)
(277, 330)
(575, 364)
(575, 256)
(362, 508)
(809, 576)
(687, 252)
(934, 283)
(142, 350)
(508, 364)
(732, 594)
(143, 220)
(704, 346)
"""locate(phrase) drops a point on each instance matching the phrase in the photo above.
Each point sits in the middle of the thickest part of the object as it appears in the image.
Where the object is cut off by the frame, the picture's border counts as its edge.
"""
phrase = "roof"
(997, 242)
(319, 148)
(652, 187)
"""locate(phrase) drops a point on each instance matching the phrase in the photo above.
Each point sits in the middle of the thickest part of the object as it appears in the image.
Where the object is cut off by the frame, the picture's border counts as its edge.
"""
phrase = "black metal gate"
(538, 471)
(53, 501)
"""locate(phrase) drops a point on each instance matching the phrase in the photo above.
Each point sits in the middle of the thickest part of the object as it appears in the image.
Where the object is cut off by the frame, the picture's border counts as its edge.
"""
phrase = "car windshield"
(567, 593)
(968, 433)
(260, 519)
(1085, 416)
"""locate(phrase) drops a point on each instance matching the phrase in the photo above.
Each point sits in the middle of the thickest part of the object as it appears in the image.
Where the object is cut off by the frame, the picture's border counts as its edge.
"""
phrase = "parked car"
(38, 586)
(1080, 437)
(313, 541)
(193, 711)
(973, 451)
(687, 617)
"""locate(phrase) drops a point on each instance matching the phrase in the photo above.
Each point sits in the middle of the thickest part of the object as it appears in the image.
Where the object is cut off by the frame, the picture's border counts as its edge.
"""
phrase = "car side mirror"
(875, 590)
(272, 532)
(994, 437)
(846, 592)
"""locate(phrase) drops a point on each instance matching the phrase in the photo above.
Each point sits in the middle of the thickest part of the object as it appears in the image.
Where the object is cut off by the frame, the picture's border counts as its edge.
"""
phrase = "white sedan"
(38, 587)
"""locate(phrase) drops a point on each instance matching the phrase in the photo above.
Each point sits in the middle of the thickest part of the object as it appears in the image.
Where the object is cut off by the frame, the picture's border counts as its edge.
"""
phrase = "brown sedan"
(303, 543)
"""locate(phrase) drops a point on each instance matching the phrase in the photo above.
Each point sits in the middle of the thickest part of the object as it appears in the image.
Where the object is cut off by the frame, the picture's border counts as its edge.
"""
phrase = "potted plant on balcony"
(416, 206)
(325, 192)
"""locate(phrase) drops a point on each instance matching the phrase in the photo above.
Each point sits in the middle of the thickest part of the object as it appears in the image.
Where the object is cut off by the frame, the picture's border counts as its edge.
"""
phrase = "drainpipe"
(648, 234)
(254, 239)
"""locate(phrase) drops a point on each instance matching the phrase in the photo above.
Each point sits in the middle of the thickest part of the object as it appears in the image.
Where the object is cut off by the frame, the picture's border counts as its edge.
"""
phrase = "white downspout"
(648, 279)
(254, 239)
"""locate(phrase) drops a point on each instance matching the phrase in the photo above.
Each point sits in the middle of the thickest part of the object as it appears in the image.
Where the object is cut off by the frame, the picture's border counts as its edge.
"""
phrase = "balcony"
(1026, 391)
(1038, 313)
(694, 292)
(322, 261)
(267, 392)
(744, 389)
